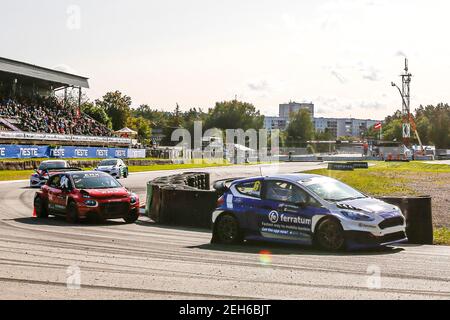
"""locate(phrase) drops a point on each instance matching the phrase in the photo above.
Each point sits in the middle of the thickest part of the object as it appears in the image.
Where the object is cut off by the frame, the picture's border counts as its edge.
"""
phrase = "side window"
(285, 192)
(252, 189)
(55, 182)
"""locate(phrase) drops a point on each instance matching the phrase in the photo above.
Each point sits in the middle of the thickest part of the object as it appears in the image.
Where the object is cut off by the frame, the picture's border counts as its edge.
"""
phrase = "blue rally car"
(304, 209)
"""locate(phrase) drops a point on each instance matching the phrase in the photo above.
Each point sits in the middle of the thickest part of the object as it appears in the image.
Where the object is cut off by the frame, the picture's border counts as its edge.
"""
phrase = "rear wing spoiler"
(222, 186)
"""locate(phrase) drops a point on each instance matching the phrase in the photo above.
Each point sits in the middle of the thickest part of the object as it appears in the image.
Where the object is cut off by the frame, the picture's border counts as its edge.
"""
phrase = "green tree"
(142, 127)
(97, 113)
(234, 115)
(117, 107)
(300, 129)
(440, 122)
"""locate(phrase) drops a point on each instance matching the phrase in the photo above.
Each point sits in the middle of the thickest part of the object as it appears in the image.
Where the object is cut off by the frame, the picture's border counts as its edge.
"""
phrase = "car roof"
(292, 177)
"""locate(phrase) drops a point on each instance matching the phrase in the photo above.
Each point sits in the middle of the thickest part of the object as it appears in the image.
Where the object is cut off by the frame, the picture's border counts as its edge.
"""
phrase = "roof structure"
(54, 78)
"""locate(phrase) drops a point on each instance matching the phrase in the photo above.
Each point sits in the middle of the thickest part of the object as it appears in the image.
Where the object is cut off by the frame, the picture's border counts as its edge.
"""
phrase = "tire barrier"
(359, 165)
(340, 166)
(182, 200)
(419, 220)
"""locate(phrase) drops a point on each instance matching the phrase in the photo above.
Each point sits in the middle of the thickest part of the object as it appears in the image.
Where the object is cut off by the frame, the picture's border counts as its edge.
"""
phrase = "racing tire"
(41, 208)
(330, 235)
(227, 230)
(132, 217)
(125, 174)
(72, 213)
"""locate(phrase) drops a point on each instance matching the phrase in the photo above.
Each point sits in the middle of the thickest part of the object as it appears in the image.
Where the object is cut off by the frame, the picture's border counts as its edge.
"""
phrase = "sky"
(339, 54)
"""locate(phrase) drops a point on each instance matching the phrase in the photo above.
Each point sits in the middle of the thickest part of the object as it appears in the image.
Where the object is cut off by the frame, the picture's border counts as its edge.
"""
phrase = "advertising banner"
(28, 152)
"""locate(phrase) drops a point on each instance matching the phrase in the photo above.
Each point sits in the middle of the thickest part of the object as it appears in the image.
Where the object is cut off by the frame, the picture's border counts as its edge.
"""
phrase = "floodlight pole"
(405, 93)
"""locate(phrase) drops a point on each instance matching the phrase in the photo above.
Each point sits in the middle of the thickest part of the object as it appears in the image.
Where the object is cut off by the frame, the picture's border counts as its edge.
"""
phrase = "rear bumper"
(361, 239)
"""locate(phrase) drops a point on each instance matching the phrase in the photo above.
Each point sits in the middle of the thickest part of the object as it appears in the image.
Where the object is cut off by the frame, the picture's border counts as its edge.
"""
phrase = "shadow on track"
(257, 247)
(149, 223)
(59, 221)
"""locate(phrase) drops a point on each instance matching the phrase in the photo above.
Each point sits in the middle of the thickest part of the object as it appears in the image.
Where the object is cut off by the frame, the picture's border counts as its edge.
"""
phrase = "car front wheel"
(227, 230)
(72, 213)
(40, 207)
(330, 235)
(132, 218)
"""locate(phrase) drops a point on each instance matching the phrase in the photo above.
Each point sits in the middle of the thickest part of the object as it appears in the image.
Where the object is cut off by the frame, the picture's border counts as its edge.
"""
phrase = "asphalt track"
(147, 261)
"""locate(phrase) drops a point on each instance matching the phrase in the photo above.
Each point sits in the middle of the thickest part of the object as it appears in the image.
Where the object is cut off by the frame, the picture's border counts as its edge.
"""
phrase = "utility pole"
(405, 93)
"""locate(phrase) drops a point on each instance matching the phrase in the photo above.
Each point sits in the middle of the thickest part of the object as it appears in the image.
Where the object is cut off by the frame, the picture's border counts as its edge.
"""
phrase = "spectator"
(47, 115)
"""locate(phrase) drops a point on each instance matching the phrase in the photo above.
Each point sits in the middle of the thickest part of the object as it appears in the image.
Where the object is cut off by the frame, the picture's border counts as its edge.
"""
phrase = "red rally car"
(83, 194)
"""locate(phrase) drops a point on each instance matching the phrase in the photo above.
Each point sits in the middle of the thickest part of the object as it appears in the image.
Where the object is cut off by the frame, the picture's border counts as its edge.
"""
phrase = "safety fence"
(30, 151)
(63, 138)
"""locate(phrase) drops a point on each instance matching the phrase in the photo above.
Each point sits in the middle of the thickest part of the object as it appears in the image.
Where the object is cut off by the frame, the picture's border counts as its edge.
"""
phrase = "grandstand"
(31, 113)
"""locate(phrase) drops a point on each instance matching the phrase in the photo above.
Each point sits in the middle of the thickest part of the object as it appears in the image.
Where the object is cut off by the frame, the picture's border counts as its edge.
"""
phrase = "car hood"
(106, 193)
(369, 205)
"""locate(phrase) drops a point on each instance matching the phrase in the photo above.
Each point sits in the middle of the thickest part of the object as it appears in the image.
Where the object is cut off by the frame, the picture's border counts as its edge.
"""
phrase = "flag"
(378, 126)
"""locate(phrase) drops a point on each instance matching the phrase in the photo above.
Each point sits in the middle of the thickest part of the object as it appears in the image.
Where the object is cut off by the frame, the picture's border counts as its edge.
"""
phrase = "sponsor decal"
(57, 152)
(274, 217)
(81, 153)
(230, 202)
(102, 153)
(29, 152)
(121, 153)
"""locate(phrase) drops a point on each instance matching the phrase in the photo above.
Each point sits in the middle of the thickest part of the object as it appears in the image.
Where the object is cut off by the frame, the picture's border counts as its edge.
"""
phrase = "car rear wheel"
(227, 230)
(40, 207)
(330, 235)
(72, 213)
(132, 218)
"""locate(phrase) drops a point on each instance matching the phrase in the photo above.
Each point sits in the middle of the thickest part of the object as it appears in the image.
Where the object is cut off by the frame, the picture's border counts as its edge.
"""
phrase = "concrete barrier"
(340, 166)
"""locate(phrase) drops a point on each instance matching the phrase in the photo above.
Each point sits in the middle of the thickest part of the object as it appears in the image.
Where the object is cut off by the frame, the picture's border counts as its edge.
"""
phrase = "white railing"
(61, 137)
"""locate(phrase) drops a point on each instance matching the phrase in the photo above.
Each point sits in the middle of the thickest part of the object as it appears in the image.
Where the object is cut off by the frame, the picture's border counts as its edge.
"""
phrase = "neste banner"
(28, 152)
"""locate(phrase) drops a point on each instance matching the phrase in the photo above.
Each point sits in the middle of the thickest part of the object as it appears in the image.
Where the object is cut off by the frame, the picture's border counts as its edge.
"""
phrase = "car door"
(54, 192)
(286, 212)
(245, 203)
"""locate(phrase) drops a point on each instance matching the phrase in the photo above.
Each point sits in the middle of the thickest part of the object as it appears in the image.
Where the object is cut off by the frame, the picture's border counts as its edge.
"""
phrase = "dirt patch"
(436, 185)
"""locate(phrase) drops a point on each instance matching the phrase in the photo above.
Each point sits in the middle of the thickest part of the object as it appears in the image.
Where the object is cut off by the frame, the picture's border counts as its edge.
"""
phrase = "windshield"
(108, 163)
(52, 165)
(333, 190)
(95, 181)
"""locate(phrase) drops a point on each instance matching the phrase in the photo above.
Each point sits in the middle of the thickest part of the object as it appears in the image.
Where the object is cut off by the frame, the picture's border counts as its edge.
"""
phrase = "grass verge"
(384, 178)
(442, 236)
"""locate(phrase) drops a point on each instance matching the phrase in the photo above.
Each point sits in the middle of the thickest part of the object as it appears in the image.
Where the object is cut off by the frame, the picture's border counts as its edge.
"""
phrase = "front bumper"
(383, 231)
(363, 240)
(109, 209)
(112, 172)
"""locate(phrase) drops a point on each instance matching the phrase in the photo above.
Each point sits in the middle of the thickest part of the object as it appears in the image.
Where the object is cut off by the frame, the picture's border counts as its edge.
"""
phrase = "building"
(276, 123)
(287, 108)
(338, 127)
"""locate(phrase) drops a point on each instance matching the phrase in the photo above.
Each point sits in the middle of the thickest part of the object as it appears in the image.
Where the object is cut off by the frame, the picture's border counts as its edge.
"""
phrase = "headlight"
(133, 199)
(91, 203)
(358, 216)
